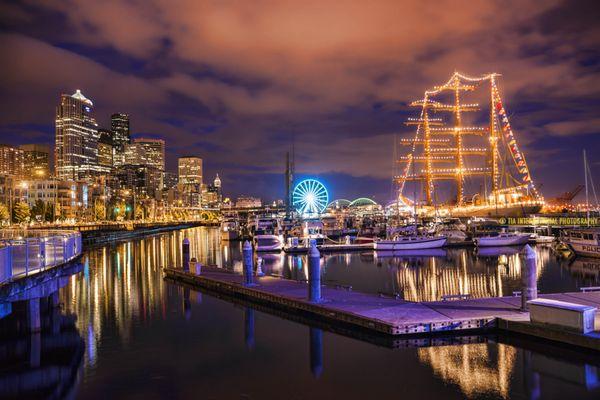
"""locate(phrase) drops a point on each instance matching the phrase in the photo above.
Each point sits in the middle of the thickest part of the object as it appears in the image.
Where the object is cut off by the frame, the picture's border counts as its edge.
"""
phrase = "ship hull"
(493, 211)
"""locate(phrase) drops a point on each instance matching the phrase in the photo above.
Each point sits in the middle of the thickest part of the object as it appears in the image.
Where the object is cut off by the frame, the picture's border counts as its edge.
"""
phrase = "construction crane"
(566, 197)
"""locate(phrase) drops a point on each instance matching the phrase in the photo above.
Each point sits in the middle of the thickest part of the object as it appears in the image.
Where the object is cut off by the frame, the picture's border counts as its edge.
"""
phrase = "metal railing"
(26, 252)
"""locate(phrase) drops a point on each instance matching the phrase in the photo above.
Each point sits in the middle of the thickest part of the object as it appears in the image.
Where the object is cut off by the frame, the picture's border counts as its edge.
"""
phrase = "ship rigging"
(446, 147)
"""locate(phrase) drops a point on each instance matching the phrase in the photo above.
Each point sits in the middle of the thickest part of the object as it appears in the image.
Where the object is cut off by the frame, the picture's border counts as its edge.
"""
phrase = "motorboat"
(541, 239)
(415, 242)
(584, 242)
(230, 230)
(266, 234)
(502, 239)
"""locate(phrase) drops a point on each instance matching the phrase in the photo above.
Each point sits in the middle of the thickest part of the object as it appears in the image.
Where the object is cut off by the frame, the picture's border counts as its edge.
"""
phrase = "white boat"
(266, 233)
(584, 242)
(416, 242)
(541, 239)
(502, 239)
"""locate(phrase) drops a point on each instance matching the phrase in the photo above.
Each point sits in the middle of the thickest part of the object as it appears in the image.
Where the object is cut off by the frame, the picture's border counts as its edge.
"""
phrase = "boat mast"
(587, 202)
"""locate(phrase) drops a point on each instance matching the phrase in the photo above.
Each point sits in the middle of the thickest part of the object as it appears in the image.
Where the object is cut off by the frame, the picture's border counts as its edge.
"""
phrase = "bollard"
(249, 328)
(185, 250)
(259, 263)
(314, 273)
(316, 352)
(248, 263)
(196, 266)
(529, 278)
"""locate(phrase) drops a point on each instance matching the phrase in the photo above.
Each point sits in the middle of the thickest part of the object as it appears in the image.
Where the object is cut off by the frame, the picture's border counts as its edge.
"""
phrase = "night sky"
(236, 82)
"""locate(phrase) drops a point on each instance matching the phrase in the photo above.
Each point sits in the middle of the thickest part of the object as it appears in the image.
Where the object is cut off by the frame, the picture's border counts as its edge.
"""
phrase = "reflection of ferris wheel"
(310, 197)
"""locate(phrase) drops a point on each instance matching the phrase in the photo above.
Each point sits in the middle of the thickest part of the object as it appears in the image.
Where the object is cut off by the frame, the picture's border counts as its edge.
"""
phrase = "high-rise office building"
(119, 125)
(11, 161)
(190, 180)
(149, 152)
(190, 170)
(76, 147)
(36, 161)
(105, 150)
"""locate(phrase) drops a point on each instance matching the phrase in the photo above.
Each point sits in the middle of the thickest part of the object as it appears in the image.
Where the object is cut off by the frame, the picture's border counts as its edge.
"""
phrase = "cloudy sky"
(235, 82)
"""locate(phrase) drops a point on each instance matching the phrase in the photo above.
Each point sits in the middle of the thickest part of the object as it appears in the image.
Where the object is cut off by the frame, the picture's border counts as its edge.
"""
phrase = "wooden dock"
(384, 315)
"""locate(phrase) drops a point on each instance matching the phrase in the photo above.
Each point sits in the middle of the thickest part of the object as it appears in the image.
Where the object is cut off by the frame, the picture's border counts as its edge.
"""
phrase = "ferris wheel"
(310, 197)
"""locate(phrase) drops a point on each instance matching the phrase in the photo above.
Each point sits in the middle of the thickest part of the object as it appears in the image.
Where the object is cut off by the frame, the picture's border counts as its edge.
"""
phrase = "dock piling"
(314, 273)
(248, 263)
(529, 278)
(316, 351)
(185, 250)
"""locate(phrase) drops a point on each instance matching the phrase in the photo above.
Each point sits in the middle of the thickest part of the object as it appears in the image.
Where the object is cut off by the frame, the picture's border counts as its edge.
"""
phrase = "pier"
(388, 316)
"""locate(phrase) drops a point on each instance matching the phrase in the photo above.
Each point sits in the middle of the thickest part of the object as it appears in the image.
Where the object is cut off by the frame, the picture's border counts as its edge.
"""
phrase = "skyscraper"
(148, 152)
(37, 160)
(119, 125)
(76, 146)
(190, 170)
(190, 180)
(11, 161)
(105, 150)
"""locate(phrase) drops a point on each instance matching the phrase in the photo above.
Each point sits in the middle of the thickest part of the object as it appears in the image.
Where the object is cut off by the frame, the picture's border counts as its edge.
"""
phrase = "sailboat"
(585, 241)
(449, 150)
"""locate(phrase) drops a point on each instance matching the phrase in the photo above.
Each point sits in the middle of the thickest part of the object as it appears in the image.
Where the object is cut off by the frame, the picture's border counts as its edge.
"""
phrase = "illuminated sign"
(554, 221)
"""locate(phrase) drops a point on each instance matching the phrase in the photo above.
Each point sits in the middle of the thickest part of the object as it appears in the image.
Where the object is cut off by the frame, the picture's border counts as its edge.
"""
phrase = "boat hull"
(498, 241)
(418, 244)
(265, 243)
(585, 250)
(492, 211)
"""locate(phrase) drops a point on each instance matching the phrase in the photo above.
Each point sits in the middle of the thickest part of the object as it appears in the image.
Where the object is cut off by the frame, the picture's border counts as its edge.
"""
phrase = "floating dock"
(389, 316)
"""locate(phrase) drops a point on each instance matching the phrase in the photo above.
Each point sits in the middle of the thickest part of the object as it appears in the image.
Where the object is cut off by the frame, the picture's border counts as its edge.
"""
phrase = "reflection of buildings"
(123, 285)
(478, 369)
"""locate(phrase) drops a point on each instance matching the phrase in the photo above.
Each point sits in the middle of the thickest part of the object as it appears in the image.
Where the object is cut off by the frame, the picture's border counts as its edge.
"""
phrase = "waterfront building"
(76, 147)
(248, 202)
(71, 196)
(105, 151)
(36, 161)
(11, 161)
(144, 151)
(119, 126)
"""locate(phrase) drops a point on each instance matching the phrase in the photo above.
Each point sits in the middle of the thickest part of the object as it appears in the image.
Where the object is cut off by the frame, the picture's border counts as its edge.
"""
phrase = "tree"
(3, 213)
(99, 210)
(21, 213)
(49, 213)
(38, 210)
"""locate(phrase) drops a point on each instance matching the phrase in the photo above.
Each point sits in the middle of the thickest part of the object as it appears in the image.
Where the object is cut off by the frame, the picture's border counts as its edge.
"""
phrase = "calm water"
(123, 332)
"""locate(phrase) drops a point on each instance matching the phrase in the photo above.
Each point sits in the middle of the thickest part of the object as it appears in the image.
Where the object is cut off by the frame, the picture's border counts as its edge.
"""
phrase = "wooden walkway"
(371, 312)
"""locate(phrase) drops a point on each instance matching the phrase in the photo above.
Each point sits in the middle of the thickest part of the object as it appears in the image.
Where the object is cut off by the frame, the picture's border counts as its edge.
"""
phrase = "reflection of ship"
(411, 253)
(474, 368)
(449, 152)
(230, 229)
(498, 251)
(587, 268)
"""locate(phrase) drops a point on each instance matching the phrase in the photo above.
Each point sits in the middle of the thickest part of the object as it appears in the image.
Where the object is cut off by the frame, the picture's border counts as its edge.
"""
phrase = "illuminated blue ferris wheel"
(310, 197)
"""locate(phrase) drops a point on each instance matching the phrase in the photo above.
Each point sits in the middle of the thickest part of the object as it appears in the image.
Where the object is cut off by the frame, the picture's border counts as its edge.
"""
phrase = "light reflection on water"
(131, 319)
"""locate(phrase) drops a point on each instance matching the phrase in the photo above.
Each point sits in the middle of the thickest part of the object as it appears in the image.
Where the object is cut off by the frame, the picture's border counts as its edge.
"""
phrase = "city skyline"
(193, 92)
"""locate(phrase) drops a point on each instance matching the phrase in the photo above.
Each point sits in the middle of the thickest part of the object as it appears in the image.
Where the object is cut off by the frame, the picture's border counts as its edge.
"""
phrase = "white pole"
(587, 203)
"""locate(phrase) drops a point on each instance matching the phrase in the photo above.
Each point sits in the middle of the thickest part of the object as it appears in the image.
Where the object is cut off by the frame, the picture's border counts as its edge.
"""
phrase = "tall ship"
(464, 159)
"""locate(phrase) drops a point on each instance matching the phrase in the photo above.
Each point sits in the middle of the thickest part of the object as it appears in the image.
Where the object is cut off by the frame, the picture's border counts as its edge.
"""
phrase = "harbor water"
(123, 332)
